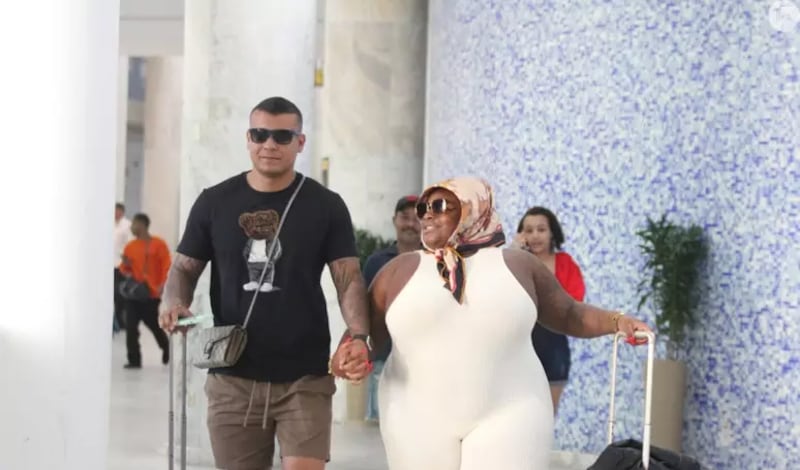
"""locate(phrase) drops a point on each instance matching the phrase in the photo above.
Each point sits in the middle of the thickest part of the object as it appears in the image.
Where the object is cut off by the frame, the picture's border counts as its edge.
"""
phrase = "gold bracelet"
(615, 320)
(330, 370)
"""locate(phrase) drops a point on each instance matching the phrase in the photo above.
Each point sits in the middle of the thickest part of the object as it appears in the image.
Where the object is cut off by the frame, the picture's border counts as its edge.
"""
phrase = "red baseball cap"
(405, 202)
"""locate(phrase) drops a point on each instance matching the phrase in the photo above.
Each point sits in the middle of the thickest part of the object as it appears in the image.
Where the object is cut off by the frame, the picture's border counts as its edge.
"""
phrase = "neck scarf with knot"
(478, 227)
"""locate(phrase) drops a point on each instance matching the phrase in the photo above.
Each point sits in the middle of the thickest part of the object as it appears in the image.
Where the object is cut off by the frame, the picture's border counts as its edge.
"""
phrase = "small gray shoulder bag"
(223, 345)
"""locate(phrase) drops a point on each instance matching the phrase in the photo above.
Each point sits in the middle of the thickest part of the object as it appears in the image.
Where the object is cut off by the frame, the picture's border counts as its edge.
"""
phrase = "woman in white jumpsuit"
(462, 388)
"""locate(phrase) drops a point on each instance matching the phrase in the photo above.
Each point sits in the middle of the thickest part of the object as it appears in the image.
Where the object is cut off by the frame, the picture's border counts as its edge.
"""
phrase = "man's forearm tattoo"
(352, 293)
(182, 280)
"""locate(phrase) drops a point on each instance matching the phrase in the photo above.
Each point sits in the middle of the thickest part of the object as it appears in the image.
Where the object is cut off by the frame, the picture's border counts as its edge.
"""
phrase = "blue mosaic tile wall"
(611, 111)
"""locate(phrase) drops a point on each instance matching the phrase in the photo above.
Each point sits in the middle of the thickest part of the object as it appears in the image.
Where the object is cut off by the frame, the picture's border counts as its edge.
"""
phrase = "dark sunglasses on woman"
(437, 206)
(260, 135)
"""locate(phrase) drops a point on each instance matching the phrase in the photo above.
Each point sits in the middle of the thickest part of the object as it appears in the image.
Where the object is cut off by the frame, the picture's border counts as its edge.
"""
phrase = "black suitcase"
(631, 454)
(627, 455)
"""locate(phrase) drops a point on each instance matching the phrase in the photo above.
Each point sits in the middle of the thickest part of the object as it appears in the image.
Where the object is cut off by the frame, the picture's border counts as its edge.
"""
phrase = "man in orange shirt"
(146, 259)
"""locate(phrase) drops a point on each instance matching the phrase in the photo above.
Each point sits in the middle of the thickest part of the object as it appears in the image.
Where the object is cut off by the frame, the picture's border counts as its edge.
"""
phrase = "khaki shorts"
(245, 416)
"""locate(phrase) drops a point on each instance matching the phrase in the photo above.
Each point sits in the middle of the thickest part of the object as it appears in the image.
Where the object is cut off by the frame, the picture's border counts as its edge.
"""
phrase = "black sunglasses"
(437, 206)
(281, 136)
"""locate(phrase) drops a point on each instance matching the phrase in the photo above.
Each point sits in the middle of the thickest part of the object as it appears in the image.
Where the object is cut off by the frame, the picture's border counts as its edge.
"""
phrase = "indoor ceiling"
(151, 27)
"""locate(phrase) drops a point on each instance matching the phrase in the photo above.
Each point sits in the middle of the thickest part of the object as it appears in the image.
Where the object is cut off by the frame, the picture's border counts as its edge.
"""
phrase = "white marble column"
(371, 115)
(162, 146)
(59, 122)
(236, 54)
(122, 127)
(373, 104)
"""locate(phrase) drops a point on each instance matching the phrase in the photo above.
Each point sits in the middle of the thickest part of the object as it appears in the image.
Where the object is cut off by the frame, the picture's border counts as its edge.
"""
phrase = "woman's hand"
(630, 326)
(519, 242)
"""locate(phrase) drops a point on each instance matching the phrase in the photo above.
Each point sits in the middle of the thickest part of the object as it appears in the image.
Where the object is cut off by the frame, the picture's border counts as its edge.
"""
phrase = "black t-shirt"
(232, 226)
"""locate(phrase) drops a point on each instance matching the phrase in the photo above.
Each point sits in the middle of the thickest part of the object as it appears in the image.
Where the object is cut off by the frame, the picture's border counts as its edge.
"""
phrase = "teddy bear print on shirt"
(260, 228)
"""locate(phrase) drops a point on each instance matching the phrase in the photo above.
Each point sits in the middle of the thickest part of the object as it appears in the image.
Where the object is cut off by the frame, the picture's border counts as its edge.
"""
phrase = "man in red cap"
(406, 225)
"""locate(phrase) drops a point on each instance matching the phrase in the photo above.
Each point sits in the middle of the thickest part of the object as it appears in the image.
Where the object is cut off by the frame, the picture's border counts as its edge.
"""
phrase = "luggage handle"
(171, 448)
(648, 394)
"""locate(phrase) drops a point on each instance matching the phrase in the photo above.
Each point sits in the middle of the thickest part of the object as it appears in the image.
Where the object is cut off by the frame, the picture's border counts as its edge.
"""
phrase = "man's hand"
(168, 318)
(351, 360)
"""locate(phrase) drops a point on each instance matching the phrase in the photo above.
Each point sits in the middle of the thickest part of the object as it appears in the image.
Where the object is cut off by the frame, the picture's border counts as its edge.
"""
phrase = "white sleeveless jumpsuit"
(463, 388)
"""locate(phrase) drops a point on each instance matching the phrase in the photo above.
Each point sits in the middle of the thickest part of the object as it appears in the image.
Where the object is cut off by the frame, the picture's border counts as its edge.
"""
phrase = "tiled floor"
(139, 404)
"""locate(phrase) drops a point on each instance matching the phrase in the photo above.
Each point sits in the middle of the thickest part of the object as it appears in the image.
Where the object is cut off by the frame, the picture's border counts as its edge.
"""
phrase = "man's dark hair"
(120, 206)
(279, 105)
(552, 221)
(142, 217)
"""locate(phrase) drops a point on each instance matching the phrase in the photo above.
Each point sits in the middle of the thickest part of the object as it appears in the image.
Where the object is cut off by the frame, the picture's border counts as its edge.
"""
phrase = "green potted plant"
(673, 256)
(368, 243)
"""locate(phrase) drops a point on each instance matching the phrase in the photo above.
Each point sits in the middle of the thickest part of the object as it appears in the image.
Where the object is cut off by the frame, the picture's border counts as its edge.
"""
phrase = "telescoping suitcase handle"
(648, 393)
(171, 449)
(171, 445)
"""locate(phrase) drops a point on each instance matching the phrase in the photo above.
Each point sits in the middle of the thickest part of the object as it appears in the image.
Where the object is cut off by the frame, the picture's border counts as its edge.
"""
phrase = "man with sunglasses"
(281, 385)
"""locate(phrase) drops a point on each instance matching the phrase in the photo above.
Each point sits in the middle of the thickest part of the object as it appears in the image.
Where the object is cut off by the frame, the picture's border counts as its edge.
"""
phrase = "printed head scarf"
(478, 227)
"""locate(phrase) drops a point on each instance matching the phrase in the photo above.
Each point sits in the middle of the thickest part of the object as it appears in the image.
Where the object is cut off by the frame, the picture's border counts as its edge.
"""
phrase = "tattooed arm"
(352, 293)
(351, 360)
(179, 290)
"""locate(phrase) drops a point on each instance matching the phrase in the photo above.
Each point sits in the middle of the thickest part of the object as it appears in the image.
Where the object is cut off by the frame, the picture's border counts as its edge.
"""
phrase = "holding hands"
(351, 360)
